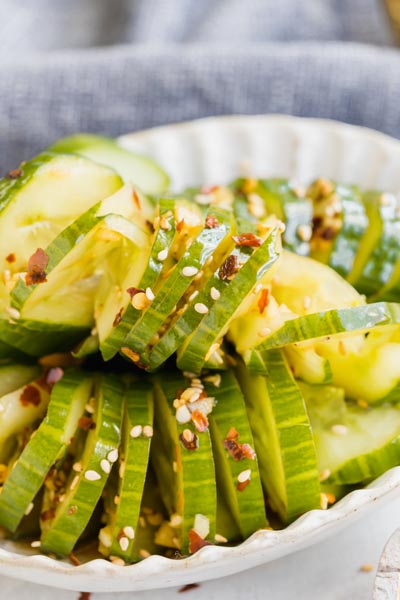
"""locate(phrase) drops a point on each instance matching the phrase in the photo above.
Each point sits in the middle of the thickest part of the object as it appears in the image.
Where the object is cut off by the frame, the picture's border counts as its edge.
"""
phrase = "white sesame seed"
(162, 255)
(124, 543)
(105, 465)
(77, 467)
(189, 271)
(122, 469)
(306, 302)
(214, 379)
(188, 435)
(324, 474)
(215, 294)
(174, 466)
(148, 431)
(136, 431)
(244, 476)
(144, 553)
(92, 475)
(264, 332)
(339, 429)
(74, 482)
(201, 308)
(193, 296)
(183, 414)
(323, 501)
(29, 509)
(13, 312)
(129, 532)
(304, 232)
(220, 538)
(190, 394)
(112, 456)
(89, 408)
(105, 538)
(36, 544)
(175, 520)
(149, 294)
(117, 561)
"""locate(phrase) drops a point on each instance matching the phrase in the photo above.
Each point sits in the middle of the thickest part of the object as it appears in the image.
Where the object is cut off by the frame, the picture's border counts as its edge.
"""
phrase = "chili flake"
(118, 317)
(200, 420)
(211, 222)
(188, 587)
(236, 450)
(247, 239)
(189, 439)
(263, 300)
(229, 267)
(136, 200)
(30, 396)
(10, 258)
(86, 423)
(15, 173)
(36, 268)
(196, 542)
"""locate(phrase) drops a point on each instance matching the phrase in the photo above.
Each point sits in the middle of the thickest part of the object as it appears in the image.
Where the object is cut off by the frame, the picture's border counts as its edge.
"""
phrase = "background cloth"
(114, 66)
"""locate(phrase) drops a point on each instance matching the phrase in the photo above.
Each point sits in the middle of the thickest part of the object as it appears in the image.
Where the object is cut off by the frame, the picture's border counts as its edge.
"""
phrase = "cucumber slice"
(13, 376)
(162, 307)
(68, 399)
(289, 204)
(233, 301)
(29, 215)
(161, 248)
(234, 446)
(380, 247)
(192, 467)
(353, 444)
(134, 168)
(84, 488)
(20, 409)
(188, 316)
(117, 537)
(339, 223)
(283, 438)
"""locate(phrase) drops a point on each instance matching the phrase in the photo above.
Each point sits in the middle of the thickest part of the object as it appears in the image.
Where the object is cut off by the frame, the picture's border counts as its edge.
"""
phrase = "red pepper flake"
(189, 439)
(74, 559)
(236, 450)
(72, 510)
(229, 267)
(10, 258)
(196, 541)
(36, 268)
(150, 226)
(86, 423)
(188, 587)
(84, 596)
(14, 173)
(328, 233)
(180, 225)
(211, 222)
(200, 420)
(209, 189)
(132, 291)
(48, 514)
(263, 300)
(118, 317)
(247, 239)
(30, 396)
(136, 199)
(241, 485)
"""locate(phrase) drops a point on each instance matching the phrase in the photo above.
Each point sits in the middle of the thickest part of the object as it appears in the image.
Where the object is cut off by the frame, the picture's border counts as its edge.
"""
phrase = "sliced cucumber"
(233, 444)
(13, 376)
(339, 223)
(50, 193)
(68, 400)
(192, 459)
(158, 263)
(84, 488)
(379, 249)
(162, 307)
(232, 302)
(353, 444)
(282, 437)
(134, 168)
(137, 432)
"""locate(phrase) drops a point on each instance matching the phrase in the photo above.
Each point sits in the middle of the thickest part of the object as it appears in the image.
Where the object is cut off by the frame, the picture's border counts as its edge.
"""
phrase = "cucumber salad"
(179, 370)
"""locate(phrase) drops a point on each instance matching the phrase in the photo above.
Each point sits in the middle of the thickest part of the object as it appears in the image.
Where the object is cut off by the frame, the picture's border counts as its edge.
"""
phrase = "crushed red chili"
(10, 258)
(189, 444)
(132, 291)
(15, 173)
(48, 514)
(247, 239)
(211, 222)
(196, 541)
(74, 559)
(36, 267)
(180, 225)
(241, 485)
(188, 587)
(118, 317)
(136, 199)
(229, 267)
(86, 423)
(263, 300)
(200, 420)
(84, 596)
(30, 396)
(236, 450)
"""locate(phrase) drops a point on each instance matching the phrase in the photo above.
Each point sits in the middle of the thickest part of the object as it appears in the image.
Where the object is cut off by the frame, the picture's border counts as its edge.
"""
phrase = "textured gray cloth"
(227, 61)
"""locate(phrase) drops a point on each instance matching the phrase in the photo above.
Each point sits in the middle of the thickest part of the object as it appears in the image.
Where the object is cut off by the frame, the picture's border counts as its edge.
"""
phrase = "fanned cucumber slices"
(180, 370)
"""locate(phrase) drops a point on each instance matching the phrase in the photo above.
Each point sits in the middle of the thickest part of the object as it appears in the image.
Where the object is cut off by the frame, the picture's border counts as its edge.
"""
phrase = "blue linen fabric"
(114, 66)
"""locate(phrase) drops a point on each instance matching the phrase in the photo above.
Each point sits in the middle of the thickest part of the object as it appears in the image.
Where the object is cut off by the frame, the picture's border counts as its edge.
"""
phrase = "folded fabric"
(123, 89)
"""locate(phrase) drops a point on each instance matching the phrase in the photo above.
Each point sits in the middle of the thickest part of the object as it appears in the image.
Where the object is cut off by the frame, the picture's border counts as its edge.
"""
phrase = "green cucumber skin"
(66, 528)
(281, 199)
(189, 319)
(332, 322)
(162, 241)
(39, 455)
(174, 288)
(14, 375)
(139, 411)
(368, 466)
(230, 411)
(198, 470)
(271, 403)
(385, 253)
(191, 356)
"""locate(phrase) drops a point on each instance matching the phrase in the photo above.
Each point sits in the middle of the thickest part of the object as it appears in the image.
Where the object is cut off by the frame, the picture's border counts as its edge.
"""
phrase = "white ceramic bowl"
(211, 151)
